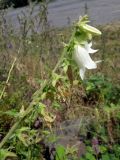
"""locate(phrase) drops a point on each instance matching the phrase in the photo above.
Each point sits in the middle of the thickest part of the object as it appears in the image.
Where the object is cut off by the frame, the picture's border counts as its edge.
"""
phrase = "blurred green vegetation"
(96, 98)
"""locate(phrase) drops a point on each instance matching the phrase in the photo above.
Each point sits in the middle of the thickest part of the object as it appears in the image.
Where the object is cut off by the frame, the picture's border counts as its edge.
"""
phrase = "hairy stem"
(30, 107)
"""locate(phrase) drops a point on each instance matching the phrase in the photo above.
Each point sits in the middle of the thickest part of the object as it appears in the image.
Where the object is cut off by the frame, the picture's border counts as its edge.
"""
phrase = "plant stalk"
(30, 107)
(9, 74)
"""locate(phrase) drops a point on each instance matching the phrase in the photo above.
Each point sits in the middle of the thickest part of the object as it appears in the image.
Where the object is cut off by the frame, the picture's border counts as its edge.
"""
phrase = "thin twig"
(9, 74)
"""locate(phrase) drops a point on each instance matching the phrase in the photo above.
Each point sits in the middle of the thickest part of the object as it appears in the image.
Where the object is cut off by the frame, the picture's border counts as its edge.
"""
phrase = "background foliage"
(94, 101)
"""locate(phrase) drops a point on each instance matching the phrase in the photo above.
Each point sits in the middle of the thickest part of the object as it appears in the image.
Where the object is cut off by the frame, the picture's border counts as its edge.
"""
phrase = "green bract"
(81, 35)
(91, 29)
(84, 27)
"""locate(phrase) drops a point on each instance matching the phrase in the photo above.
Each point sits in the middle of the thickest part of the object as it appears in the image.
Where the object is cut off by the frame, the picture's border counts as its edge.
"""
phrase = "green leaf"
(105, 157)
(60, 153)
(41, 109)
(103, 149)
(89, 156)
(71, 150)
(56, 105)
(12, 113)
(65, 65)
(4, 153)
(22, 137)
(56, 77)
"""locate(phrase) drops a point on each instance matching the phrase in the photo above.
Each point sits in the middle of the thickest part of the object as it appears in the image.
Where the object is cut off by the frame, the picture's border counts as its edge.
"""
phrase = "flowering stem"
(30, 107)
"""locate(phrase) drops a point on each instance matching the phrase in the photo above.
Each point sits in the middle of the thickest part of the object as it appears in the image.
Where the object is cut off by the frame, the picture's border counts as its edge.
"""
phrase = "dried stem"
(9, 74)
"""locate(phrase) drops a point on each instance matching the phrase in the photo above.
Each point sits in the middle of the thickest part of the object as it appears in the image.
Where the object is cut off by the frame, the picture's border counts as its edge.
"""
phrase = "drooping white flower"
(83, 59)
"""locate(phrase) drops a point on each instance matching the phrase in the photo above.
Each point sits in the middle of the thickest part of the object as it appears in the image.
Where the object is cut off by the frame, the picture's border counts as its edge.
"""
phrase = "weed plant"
(95, 101)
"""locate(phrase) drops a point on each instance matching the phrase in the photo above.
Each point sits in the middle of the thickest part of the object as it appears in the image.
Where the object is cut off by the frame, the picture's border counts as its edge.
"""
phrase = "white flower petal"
(90, 44)
(82, 73)
(92, 50)
(89, 49)
(98, 61)
(83, 58)
(91, 65)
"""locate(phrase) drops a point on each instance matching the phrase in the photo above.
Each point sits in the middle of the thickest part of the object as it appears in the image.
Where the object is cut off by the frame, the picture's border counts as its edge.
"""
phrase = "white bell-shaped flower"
(83, 59)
